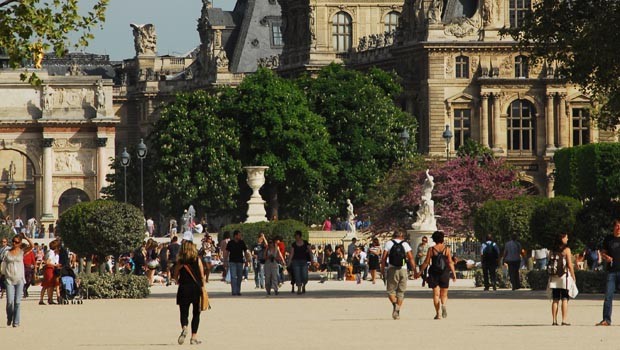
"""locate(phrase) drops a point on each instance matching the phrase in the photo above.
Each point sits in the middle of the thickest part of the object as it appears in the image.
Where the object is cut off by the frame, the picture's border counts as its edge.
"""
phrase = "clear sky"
(175, 23)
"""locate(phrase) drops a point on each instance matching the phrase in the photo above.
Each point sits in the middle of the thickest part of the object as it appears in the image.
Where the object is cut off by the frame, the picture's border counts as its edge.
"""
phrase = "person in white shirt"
(150, 226)
(540, 257)
(395, 255)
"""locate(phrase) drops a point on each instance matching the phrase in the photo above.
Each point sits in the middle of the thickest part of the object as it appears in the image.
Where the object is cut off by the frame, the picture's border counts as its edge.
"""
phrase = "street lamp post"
(125, 160)
(404, 137)
(142, 151)
(12, 200)
(447, 135)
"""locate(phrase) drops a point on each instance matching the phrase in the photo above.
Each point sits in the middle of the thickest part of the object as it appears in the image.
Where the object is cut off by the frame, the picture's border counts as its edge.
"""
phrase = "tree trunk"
(102, 268)
(272, 201)
(89, 265)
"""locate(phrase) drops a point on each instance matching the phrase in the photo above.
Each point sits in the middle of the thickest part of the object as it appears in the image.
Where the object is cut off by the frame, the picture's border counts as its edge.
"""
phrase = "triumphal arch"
(56, 143)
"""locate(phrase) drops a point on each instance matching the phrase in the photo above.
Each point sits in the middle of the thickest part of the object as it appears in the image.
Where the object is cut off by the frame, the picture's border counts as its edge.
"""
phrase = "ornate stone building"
(55, 142)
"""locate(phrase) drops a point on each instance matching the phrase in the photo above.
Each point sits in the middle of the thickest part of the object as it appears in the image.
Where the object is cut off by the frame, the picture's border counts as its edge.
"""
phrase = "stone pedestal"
(256, 204)
(415, 238)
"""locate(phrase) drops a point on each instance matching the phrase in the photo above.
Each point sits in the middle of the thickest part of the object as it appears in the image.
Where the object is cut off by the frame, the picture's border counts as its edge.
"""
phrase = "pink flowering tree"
(462, 185)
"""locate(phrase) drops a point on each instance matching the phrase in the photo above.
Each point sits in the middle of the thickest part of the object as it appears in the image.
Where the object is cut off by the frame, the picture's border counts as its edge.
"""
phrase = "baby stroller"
(69, 287)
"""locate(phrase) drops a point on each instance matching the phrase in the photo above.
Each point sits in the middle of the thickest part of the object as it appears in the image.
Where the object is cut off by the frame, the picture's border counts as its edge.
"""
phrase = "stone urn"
(256, 204)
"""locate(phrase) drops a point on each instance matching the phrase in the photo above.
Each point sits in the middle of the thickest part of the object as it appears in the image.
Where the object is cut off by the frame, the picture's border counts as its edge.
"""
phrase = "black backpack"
(397, 254)
(555, 266)
(489, 254)
(438, 262)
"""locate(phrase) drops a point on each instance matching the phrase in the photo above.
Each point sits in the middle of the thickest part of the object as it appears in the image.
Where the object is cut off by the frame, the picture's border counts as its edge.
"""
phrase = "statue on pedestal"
(426, 214)
(350, 218)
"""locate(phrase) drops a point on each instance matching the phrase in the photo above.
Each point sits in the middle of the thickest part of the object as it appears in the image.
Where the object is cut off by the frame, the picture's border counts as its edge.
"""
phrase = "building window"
(341, 32)
(462, 127)
(521, 68)
(518, 10)
(581, 126)
(521, 126)
(391, 21)
(462, 67)
(276, 34)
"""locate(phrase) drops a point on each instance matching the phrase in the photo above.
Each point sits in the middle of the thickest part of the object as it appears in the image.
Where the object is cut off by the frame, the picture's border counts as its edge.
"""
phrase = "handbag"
(572, 287)
(204, 297)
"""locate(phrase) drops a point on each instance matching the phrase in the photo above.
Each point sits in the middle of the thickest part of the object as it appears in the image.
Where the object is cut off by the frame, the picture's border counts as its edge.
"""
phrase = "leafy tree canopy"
(582, 37)
(364, 125)
(194, 151)
(28, 28)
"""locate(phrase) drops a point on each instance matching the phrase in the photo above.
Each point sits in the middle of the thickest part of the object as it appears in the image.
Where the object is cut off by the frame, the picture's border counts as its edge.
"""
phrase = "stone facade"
(59, 137)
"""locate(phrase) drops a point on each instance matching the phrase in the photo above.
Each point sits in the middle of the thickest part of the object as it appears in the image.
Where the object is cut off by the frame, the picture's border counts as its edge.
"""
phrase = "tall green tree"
(582, 37)
(194, 150)
(31, 27)
(364, 125)
(278, 130)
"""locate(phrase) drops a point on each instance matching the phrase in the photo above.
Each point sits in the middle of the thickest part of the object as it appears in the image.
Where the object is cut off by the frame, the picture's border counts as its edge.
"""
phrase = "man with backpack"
(490, 261)
(395, 255)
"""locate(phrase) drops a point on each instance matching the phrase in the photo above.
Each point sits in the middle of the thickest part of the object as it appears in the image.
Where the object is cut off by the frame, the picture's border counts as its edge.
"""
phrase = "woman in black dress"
(441, 265)
(189, 275)
(374, 254)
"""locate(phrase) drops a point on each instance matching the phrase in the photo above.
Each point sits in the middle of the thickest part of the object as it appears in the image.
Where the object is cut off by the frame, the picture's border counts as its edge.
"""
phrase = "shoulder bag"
(204, 298)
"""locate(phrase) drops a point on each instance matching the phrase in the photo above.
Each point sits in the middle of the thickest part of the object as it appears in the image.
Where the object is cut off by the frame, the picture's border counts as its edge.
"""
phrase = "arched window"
(521, 68)
(341, 31)
(391, 21)
(518, 9)
(521, 126)
(462, 67)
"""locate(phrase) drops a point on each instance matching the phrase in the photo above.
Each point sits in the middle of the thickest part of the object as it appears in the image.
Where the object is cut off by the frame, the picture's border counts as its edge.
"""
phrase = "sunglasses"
(16, 241)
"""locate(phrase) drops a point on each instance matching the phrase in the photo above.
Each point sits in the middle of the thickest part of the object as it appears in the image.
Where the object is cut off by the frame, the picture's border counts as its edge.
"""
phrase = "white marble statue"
(100, 94)
(145, 39)
(426, 214)
(350, 217)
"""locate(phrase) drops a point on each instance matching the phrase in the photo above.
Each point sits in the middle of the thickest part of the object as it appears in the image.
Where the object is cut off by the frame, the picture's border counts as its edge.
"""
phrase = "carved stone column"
(563, 122)
(48, 213)
(101, 143)
(496, 124)
(550, 116)
(484, 120)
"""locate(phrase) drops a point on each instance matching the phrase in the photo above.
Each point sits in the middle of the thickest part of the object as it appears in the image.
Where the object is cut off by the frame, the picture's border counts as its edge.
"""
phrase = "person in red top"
(30, 259)
(282, 247)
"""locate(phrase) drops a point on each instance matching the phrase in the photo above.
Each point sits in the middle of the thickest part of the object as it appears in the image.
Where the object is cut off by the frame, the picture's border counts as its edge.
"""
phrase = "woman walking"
(273, 257)
(300, 256)
(51, 263)
(439, 258)
(559, 283)
(206, 254)
(12, 268)
(189, 274)
(374, 255)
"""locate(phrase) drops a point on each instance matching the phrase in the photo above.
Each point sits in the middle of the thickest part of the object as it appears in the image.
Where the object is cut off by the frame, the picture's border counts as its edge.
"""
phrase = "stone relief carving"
(144, 38)
(73, 144)
(375, 41)
(73, 162)
(474, 66)
(312, 23)
(449, 65)
(462, 27)
(269, 62)
(221, 60)
(507, 66)
(490, 11)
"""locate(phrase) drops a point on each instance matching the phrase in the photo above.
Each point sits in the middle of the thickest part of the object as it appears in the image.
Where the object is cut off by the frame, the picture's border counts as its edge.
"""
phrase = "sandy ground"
(333, 315)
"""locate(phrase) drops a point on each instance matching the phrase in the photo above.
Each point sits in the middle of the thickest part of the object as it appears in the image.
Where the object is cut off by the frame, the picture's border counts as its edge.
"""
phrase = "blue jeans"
(14, 294)
(613, 279)
(541, 264)
(300, 270)
(236, 275)
(259, 275)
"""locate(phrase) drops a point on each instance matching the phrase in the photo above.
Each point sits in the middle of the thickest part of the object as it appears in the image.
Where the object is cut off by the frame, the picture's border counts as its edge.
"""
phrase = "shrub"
(284, 228)
(595, 221)
(117, 286)
(6, 232)
(552, 217)
(102, 228)
(587, 281)
(503, 282)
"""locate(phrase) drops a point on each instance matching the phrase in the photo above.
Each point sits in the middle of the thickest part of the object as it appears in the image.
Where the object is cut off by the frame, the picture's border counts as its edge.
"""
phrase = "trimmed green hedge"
(552, 217)
(117, 286)
(284, 228)
(502, 282)
(588, 171)
(587, 281)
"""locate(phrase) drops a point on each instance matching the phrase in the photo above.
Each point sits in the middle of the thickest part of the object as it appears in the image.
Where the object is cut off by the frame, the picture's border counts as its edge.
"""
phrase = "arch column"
(550, 124)
(496, 124)
(48, 214)
(101, 164)
(563, 122)
(484, 120)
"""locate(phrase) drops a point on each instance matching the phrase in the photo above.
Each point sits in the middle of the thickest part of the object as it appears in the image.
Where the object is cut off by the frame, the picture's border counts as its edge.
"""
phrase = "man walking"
(611, 254)
(512, 257)
(490, 261)
(237, 249)
(396, 253)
